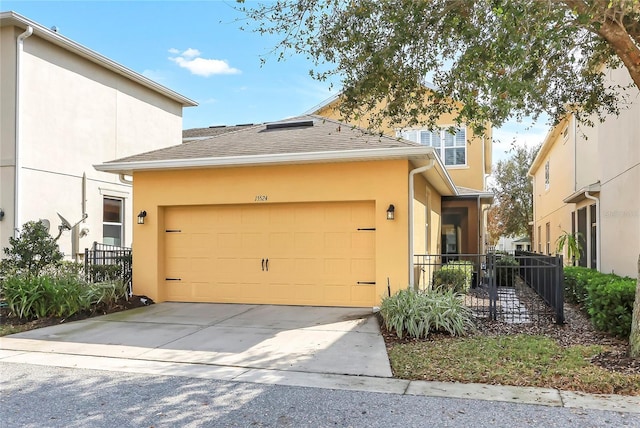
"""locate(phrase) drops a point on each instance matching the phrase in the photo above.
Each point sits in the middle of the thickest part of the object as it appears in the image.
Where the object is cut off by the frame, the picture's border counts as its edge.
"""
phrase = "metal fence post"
(559, 304)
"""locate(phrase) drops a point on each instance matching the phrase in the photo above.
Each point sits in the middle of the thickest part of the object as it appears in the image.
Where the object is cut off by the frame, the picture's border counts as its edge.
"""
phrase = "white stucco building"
(587, 180)
(64, 108)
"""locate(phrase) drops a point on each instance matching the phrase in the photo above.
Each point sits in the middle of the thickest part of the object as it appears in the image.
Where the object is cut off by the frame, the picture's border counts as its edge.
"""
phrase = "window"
(548, 230)
(546, 176)
(112, 214)
(451, 147)
(540, 239)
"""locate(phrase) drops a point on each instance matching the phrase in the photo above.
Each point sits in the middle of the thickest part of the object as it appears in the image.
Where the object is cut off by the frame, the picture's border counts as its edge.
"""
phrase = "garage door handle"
(366, 283)
(173, 279)
(262, 264)
(267, 265)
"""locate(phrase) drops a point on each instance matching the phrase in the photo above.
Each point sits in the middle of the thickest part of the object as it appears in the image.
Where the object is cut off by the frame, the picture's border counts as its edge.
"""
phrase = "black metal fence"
(104, 262)
(524, 288)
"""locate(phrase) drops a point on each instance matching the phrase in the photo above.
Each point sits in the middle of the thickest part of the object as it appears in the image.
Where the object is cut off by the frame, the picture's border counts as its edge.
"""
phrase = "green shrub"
(31, 297)
(419, 313)
(32, 251)
(506, 270)
(455, 276)
(576, 279)
(610, 303)
(100, 273)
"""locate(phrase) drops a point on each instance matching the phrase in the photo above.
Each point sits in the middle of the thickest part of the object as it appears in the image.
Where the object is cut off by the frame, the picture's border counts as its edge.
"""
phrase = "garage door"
(296, 254)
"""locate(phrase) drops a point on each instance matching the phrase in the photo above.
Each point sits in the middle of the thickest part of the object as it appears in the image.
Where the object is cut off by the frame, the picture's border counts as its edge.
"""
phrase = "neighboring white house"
(587, 180)
(64, 108)
(513, 243)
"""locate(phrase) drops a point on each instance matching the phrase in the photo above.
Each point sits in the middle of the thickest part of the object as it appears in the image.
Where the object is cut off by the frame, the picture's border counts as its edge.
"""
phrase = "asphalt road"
(42, 396)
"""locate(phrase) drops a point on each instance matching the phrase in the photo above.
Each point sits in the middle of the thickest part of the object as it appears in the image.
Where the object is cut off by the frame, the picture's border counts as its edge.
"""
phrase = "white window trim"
(547, 175)
(440, 150)
(122, 217)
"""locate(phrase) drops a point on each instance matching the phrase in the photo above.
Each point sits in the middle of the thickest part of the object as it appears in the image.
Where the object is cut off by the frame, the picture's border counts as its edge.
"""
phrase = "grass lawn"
(522, 360)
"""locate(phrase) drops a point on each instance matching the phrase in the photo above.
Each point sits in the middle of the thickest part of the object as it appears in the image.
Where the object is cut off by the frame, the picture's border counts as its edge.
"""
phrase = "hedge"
(607, 298)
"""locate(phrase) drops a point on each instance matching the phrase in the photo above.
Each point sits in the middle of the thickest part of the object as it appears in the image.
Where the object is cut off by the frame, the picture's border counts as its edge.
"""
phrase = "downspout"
(123, 179)
(593, 198)
(575, 153)
(412, 174)
(478, 235)
(16, 200)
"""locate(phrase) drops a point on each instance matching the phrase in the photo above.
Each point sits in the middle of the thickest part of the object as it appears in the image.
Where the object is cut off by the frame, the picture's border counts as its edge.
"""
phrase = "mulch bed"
(577, 330)
(121, 305)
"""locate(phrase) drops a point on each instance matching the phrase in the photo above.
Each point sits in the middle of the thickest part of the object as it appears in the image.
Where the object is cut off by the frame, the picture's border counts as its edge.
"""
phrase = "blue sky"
(198, 49)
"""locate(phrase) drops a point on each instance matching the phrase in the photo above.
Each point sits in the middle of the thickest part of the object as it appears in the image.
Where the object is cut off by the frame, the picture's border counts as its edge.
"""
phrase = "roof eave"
(62, 41)
(267, 159)
(580, 194)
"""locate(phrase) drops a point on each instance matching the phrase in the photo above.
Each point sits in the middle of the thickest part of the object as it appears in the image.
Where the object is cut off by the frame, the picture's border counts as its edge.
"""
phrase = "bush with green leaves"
(606, 298)
(417, 313)
(576, 279)
(506, 270)
(610, 303)
(33, 250)
(455, 276)
(30, 297)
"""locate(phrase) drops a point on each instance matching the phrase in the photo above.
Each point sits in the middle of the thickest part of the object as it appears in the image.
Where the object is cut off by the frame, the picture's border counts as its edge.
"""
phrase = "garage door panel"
(309, 243)
(362, 267)
(363, 294)
(336, 295)
(316, 255)
(280, 244)
(362, 243)
(231, 242)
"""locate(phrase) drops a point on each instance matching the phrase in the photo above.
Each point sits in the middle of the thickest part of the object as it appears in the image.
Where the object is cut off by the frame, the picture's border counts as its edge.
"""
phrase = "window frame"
(548, 232)
(120, 224)
(441, 147)
(547, 175)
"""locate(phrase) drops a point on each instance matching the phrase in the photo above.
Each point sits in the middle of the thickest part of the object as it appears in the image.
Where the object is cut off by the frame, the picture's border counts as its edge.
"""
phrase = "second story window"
(546, 176)
(451, 147)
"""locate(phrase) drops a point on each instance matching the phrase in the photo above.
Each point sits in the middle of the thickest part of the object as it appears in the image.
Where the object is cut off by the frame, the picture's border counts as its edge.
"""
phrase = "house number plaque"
(260, 198)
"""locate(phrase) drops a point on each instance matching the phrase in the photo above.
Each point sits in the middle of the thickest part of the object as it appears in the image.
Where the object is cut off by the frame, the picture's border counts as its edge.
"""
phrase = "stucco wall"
(382, 182)
(609, 153)
(549, 207)
(7, 127)
(619, 157)
(74, 114)
(470, 175)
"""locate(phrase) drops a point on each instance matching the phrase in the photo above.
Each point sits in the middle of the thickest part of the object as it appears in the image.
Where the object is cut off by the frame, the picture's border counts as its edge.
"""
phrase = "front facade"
(304, 212)
(63, 109)
(585, 182)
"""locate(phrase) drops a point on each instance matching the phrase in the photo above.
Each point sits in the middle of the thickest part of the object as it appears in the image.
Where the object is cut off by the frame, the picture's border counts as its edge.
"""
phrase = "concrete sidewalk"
(334, 348)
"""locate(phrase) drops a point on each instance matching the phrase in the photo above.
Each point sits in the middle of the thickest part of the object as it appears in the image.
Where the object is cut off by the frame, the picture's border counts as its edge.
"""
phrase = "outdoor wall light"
(1, 214)
(391, 212)
(141, 217)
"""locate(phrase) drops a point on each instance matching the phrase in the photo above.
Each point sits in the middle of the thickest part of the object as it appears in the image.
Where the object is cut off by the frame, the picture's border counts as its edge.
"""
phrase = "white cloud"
(190, 53)
(190, 59)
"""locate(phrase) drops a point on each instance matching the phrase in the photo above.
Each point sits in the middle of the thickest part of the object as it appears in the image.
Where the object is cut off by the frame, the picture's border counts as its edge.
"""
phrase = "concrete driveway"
(290, 338)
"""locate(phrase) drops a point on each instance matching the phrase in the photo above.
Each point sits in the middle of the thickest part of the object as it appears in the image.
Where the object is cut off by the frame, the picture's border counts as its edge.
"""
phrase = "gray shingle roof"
(324, 135)
(211, 131)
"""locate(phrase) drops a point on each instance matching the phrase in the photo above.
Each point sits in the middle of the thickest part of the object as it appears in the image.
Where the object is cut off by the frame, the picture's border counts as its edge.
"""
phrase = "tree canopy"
(488, 60)
(512, 211)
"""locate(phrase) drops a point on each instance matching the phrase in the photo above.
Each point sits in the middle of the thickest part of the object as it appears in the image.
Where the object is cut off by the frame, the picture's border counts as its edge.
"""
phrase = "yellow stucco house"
(587, 180)
(307, 211)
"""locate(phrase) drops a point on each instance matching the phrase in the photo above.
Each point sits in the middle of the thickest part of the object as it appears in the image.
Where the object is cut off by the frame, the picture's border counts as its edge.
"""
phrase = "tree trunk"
(634, 339)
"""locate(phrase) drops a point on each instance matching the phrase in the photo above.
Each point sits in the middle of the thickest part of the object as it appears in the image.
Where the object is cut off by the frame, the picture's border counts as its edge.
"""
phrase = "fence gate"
(516, 289)
(107, 262)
